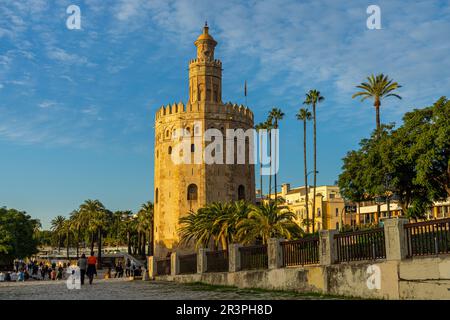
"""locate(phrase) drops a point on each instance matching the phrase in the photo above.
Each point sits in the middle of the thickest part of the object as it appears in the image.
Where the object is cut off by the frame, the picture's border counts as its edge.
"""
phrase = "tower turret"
(205, 73)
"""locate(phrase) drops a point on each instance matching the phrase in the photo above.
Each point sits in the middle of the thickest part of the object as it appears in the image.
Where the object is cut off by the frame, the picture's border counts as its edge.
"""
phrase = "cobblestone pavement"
(117, 289)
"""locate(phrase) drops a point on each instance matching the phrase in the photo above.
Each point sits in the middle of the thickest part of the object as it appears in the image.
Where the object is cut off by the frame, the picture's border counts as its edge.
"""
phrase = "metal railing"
(188, 263)
(163, 266)
(217, 261)
(254, 257)
(300, 252)
(360, 245)
(428, 238)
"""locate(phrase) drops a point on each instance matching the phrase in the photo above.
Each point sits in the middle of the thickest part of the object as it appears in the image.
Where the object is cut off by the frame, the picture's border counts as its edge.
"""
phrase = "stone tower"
(181, 187)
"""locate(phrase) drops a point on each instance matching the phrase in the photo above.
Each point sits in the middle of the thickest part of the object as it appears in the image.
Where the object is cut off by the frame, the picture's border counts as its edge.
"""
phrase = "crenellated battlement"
(233, 110)
(214, 63)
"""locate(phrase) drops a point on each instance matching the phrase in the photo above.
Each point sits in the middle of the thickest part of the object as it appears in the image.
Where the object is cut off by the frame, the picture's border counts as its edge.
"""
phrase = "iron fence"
(217, 261)
(163, 266)
(188, 263)
(254, 257)
(361, 245)
(428, 238)
(300, 252)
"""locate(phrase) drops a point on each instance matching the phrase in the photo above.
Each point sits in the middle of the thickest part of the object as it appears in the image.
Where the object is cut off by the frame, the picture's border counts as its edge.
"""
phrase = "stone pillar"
(202, 260)
(275, 253)
(395, 238)
(327, 247)
(234, 257)
(174, 264)
(152, 270)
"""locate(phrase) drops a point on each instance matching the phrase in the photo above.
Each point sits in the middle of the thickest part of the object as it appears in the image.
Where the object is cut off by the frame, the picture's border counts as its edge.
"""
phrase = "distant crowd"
(45, 270)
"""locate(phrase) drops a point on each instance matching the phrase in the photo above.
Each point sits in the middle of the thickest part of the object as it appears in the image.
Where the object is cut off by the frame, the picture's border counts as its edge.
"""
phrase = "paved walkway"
(116, 289)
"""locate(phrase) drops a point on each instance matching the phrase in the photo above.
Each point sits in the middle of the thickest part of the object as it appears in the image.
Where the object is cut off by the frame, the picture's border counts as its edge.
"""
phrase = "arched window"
(192, 192)
(192, 147)
(156, 195)
(241, 192)
(170, 150)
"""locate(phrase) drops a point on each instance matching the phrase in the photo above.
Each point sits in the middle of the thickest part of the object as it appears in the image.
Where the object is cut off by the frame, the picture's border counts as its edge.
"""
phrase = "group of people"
(34, 270)
(51, 271)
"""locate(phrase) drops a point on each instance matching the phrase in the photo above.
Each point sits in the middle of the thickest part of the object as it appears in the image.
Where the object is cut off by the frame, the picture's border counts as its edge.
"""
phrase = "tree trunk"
(306, 176)
(315, 172)
(59, 244)
(99, 255)
(129, 242)
(260, 168)
(78, 243)
(270, 157)
(144, 241)
(92, 242)
(377, 111)
(68, 244)
(276, 135)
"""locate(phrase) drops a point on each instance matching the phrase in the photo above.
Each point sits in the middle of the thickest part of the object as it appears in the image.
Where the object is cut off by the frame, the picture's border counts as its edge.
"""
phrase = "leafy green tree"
(377, 87)
(313, 97)
(17, 235)
(304, 115)
(430, 130)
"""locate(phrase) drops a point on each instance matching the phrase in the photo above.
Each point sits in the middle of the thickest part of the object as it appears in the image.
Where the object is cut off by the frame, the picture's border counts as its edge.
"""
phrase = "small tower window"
(241, 192)
(170, 150)
(156, 195)
(192, 147)
(192, 193)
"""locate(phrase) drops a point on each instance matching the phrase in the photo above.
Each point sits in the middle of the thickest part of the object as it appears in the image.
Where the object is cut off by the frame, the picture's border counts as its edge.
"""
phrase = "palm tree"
(77, 224)
(145, 226)
(378, 87)
(304, 115)
(127, 227)
(276, 115)
(268, 221)
(313, 97)
(259, 127)
(67, 229)
(96, 215)
(57, 226)
(197, 227)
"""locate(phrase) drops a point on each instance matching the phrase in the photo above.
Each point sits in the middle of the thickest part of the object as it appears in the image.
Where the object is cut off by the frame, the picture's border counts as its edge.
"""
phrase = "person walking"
(82, 264)
(91, 268)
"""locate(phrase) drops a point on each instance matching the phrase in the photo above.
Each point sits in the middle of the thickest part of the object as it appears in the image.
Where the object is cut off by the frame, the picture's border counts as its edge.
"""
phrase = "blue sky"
(76, 106)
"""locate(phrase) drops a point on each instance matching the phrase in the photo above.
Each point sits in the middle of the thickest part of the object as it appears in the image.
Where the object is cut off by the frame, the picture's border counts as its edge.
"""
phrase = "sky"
(77, 106)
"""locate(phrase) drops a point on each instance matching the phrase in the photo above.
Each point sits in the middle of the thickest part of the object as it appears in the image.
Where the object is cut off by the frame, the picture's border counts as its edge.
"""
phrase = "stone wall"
(419, 278)
(394, 277)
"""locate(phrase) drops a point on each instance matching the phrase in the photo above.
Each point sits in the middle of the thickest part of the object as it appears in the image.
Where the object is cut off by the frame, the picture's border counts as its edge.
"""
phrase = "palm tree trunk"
(144, 241)
(276, 136)
(78, 242)
(129, 242)
(92, 242)
(377, 111)
(306, 176)
(260, 168)
(99, 255)
(270, 157)
(315, 172)
(59, 243)
(68, 243)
